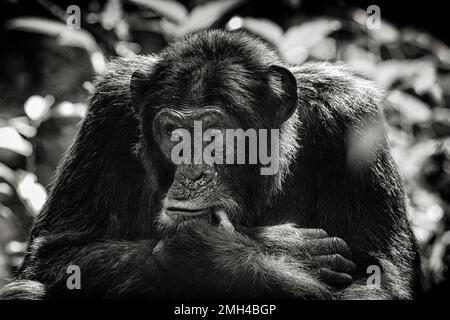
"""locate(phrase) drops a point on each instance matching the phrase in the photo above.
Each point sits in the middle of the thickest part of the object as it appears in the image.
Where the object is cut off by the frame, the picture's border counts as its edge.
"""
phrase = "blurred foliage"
(47, 71)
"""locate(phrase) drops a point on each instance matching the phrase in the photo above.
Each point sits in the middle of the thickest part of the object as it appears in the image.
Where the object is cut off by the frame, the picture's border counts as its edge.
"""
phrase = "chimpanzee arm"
(265, 262)
(346, 181)
(107, 269)
(102, 203)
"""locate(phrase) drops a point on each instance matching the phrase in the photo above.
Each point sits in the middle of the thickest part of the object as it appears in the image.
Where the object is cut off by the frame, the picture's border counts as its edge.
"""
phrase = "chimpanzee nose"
(195, 173)
(194, 176)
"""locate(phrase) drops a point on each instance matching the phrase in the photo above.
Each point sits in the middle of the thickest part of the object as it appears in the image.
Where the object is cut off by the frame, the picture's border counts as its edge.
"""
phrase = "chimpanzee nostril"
(195, 176)
(195, 172)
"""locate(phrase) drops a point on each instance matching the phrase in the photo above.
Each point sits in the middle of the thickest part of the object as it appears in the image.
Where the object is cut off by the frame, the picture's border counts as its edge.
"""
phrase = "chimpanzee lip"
(171, 211)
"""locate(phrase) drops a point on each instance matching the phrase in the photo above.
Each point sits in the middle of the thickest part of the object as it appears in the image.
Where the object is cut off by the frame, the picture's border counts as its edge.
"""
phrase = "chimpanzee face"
(211, 123)
(202, 184)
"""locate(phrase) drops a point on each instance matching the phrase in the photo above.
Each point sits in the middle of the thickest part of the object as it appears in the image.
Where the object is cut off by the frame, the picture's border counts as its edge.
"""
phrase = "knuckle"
(321, 233)
(291, 225)
(336, 260)
(348, 277)
(345, 279)
(335, 257)
(323, 271)
(337, 243)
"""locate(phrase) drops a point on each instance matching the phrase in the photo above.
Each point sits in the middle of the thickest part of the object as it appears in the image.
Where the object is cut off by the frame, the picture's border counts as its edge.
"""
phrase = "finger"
(159, 246)
(335, 262)
(335, 279)
(158, 253)
(341, 247)
(328, 246)
(224, 221)
(314, 233)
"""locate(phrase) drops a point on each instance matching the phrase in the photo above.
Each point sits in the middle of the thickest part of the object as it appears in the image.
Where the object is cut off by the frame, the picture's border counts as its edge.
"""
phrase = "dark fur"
(108, 190)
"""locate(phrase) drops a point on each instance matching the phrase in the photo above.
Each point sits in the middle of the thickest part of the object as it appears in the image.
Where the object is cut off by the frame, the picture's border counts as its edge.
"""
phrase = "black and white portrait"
(221, 150)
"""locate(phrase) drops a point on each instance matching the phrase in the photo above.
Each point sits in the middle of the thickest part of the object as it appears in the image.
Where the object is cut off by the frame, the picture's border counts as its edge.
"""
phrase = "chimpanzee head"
(204, 93)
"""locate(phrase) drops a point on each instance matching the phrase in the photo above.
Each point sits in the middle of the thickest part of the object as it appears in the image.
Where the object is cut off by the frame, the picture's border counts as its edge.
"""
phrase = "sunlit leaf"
(31, 191)
(7, 174)
(305, 36)
(324, 50)
(11, 140)
(111, 14)
(264, 28)
(23, 126)
(15, 247)
(69, 109)
(37, 107)
(201, 17)
(411, 108)
(171, 10)
(420, 74)
(361, 59)
(386, 33)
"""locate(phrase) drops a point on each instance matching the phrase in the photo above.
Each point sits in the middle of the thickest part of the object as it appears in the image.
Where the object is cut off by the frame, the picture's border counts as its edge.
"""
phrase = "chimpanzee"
(137, 225)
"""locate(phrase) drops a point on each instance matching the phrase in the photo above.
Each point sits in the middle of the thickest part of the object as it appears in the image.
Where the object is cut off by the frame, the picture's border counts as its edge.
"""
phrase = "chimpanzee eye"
(169, 129)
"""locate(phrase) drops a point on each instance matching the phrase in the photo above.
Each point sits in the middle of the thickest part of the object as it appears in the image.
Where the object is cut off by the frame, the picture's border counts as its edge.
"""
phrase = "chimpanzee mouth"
(181, 211)
(177, 212)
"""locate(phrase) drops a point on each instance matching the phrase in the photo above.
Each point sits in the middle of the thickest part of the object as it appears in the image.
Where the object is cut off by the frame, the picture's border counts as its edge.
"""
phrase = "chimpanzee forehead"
(220, 44)
(235, 86)
(214, 68)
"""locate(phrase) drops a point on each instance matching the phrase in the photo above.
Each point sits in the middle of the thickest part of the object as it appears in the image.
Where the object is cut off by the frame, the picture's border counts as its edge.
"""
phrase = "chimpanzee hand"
(216, 260)
(329, 256)
(206, 260)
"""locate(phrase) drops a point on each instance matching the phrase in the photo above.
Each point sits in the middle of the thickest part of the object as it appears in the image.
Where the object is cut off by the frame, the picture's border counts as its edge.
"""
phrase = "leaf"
(420, 74)
(171, 10)
(324, 50)
(32, 192)
(411, 108)
(201, 17)
(8, 230)
(359, 58)
(66, 37)
(11, 140)
(386, 34)
(7, 174)
(263, 28)
(112, 14)
(305, 36)
(441, 122)
(37, 108)
(427, 42)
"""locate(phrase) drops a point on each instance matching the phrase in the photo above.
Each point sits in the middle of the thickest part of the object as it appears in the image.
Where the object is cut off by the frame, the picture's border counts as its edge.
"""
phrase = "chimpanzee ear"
(285, 88)
(139, 83)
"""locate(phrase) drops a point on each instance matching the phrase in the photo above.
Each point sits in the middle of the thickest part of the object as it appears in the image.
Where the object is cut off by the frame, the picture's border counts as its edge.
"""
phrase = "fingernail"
(224, 221)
